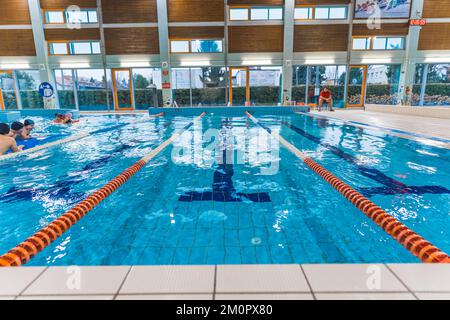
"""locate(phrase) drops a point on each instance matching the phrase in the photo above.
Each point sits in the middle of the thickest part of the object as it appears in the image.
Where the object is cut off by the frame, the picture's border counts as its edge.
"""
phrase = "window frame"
(69, 46)
(65, 16)
(368, 43)
(371, 42)
(190, 40)
(249, 12)
(312, 8)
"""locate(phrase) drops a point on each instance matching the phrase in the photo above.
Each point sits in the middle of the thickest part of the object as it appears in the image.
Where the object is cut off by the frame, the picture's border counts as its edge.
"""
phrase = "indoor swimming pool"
(224, 192)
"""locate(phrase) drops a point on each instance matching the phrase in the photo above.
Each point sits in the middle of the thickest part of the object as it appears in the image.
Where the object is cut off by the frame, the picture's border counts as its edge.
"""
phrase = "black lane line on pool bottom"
(391, 186)
(223, 189)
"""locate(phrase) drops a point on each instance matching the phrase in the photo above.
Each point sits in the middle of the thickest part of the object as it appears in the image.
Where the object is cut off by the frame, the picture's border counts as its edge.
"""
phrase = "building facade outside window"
(383, 84)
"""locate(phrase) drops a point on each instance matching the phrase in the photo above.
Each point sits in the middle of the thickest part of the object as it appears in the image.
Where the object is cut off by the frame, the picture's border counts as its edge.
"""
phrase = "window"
(338, 13)
(264, 85)
(256, 13)
(379, 43)
(28, 81)
(275, 14)
(432, 86)
(84, 16)
(308, 81)
(147, 84)
(304, 13)
(238, 14)
(208, 46)
(179, 46)
(196, 46)
(74, 48)
(58, 48)
(54, 17)
(382, 84)
(321, 13)
(395, 43)
(361, 43)
(259, 14)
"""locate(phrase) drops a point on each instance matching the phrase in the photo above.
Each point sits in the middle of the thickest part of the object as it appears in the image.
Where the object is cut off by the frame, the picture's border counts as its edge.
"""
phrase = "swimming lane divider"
(409, 239)
(68, 139)
(26, 250)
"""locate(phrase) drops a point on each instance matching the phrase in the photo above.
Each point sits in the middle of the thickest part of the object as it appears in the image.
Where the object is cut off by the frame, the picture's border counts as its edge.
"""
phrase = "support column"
(351, 14)
(288, 51)
(164, 52)
(103, 51)
(409, 63)
(46, 74)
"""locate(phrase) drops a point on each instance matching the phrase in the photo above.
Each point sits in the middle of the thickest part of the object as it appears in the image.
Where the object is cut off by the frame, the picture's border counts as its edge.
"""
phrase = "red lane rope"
(26, 250)
(413, 242)
(417, 245)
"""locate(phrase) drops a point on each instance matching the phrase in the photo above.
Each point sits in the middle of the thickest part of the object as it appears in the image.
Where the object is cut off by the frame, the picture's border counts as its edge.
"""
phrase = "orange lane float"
(26, 250)
(414, 243)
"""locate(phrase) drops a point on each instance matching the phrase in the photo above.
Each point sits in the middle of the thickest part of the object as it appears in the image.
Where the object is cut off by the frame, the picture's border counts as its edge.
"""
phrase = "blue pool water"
(184, 207)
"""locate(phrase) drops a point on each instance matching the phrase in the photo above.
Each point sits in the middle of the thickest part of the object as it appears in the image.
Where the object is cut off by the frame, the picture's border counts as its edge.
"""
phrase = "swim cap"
(4, 128)
(28, 122)
(16, 126)
(68, 115)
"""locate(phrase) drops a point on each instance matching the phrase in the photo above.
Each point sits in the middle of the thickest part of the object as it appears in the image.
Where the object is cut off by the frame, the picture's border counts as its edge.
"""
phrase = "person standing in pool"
(326, 96)
(7, 142)
(29, 126)
(17, 130)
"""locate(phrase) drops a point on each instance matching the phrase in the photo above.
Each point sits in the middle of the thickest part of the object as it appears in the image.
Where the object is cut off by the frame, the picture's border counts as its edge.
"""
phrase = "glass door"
(239, 86)
(356, 86)
(123, 89)
(8, 97)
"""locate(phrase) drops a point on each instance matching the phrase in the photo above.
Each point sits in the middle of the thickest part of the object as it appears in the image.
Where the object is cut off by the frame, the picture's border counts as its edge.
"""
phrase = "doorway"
(123, 89)
(239, 86)
(356, 86)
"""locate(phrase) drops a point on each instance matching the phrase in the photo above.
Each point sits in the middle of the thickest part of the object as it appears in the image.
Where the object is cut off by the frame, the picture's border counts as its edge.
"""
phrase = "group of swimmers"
(10, 135)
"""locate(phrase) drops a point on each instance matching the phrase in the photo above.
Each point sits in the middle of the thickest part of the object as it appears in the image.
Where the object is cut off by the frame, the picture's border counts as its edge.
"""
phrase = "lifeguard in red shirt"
(326, 96)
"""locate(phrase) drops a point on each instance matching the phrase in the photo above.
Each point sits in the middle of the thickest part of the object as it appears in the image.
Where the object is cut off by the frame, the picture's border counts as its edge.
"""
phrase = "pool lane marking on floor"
(392, 186)
(69, 139)
(223, 189)
(409, 239)
(26, 250)
(417, 137)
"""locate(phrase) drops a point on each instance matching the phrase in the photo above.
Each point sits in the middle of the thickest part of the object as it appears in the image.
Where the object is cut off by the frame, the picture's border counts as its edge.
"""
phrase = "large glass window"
(432, 85)
(178, 46)
(308, 81)
(382, 84)
(208, 86)
(91, 89)
(265, 85)
(147, 85)
(361, 43)
(58, 48)
(28, 81)
(199, 86)
(8, 91)
(181, 85)
(65, 85)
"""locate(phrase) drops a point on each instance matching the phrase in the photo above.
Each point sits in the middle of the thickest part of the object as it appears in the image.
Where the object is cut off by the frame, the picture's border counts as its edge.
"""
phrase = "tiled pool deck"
(228, 282)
